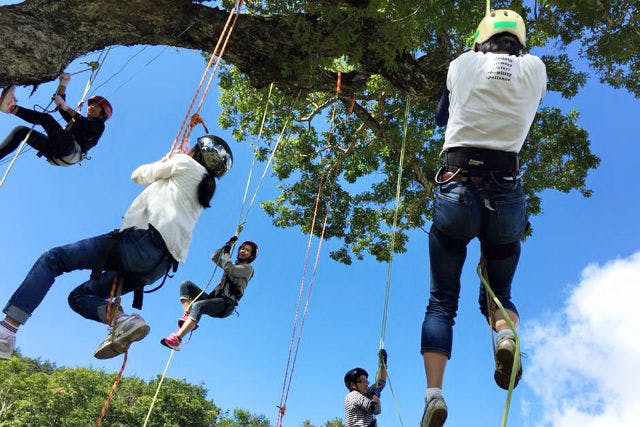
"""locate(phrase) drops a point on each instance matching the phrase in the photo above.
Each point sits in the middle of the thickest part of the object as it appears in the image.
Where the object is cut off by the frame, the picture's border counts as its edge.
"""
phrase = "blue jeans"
(206, 303)
(133, 252)
(460, 213)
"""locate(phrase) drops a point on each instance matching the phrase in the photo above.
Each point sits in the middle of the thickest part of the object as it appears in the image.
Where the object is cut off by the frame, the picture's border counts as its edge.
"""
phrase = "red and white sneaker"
(172, 341)
(7, 99)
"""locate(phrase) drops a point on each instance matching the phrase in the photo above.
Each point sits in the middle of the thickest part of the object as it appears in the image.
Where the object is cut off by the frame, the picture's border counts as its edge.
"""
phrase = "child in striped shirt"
(362, 403)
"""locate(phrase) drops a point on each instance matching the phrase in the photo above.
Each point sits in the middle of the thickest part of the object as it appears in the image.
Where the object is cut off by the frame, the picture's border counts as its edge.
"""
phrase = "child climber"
(224, 298)
(362, 403)
(60, 146)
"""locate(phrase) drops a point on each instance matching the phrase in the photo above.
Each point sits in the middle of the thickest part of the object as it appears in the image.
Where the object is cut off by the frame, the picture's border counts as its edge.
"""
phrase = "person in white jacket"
(155, 234)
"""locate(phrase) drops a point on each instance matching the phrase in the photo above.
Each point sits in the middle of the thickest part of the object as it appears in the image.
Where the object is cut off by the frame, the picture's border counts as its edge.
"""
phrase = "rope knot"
(197, 119)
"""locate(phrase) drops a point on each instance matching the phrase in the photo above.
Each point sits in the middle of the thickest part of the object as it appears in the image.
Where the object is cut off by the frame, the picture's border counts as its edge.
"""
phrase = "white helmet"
(501, 21)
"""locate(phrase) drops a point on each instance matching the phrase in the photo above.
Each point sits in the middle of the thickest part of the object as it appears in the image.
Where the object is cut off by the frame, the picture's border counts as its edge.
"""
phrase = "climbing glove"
(227, 246)
(382, 356)
(59, 101)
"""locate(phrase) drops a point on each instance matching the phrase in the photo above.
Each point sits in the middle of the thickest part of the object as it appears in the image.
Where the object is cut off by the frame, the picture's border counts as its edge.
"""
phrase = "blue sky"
(570, 260)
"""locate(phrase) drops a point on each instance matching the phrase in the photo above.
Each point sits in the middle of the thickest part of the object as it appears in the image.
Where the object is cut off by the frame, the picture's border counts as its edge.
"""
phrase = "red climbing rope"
(289, 372)
(218, 51)
(114, 299)
(114, 387)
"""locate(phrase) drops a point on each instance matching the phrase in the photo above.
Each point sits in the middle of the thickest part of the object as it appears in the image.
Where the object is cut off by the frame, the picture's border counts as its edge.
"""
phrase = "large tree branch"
(379, 131)
(42, 37)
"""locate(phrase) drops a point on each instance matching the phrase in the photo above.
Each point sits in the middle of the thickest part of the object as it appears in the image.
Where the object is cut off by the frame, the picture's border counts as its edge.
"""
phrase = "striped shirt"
(360, 410)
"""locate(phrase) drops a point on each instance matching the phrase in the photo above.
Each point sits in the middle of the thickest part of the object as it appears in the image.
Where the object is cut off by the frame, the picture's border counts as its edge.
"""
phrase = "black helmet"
(254, 249)
(353, 375)
(214, 154)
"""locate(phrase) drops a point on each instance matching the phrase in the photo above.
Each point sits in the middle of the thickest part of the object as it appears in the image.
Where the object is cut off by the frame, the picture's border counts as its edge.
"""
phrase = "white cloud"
(584, 363)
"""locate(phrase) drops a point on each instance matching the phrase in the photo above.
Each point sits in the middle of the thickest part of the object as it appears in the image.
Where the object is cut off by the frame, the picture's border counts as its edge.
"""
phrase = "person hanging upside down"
(60, 146)
(488, 106)
(224, 298)
(362, 403)
(155, 234)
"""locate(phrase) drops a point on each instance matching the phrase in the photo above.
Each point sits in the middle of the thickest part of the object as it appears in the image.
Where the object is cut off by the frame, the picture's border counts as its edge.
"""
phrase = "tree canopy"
(387, 52)
(33, 392)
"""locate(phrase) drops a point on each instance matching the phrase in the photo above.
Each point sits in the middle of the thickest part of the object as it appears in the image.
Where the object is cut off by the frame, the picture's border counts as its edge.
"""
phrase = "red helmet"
(102, 102)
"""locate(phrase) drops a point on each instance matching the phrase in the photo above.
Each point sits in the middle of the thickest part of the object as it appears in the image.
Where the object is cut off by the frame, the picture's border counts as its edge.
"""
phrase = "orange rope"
(288, 373)
(187, 133)
(333, 110)
(286, 386)
(197, 119)
(114, 299)
(306, 305)
(214, 53)
(114, 387)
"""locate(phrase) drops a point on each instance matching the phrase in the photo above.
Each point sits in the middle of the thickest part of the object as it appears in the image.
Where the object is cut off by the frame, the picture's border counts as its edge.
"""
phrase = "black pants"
(56, 143)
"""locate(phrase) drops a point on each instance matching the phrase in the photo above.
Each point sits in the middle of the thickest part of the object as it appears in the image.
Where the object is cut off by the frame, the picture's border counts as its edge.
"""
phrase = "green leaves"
(347, 147)
(37, 393)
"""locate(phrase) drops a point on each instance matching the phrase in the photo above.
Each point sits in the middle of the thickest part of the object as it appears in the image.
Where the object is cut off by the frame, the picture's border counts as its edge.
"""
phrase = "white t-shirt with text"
(493, 100)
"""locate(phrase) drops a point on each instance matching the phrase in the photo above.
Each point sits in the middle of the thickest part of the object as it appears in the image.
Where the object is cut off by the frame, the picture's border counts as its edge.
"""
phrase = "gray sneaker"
(435, 412)
(7, 345)
(125, 331)
(505, 356)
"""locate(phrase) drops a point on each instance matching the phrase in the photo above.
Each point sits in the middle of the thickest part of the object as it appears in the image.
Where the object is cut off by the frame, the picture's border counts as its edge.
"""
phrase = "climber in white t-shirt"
(489, 103)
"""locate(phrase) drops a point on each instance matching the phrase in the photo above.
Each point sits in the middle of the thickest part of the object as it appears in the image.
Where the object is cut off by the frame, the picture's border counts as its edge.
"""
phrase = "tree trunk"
(40, 38)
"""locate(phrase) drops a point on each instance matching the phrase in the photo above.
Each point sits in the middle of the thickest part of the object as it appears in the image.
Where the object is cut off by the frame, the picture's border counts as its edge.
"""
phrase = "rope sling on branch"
(95, 67)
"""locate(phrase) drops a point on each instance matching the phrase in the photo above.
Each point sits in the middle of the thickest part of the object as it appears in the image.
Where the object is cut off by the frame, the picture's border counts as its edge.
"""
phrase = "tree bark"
(41, 37)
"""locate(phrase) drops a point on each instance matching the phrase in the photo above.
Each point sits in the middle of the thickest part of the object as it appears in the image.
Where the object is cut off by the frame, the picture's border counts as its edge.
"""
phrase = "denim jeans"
(206, 303)
(57, 142)
(133, 252)
(495, 213)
